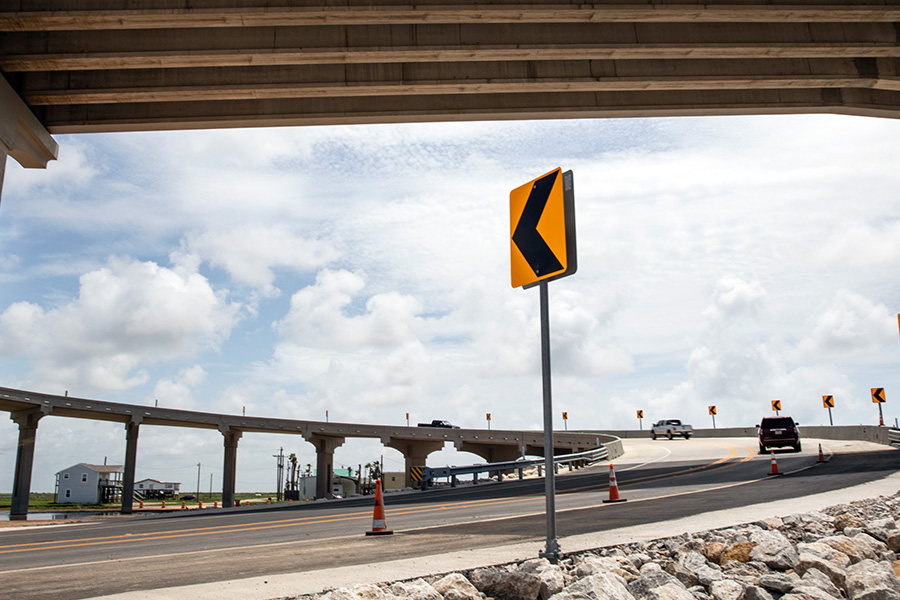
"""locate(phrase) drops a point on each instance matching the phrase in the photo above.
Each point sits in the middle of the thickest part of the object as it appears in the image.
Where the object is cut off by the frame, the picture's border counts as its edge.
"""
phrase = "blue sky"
(364, 271)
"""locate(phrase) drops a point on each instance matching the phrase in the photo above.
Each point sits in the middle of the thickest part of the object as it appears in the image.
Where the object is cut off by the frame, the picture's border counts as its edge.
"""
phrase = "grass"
(46, 502)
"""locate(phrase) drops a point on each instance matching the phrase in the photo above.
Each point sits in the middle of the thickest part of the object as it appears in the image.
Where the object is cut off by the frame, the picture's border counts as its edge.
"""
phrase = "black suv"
(778, 432)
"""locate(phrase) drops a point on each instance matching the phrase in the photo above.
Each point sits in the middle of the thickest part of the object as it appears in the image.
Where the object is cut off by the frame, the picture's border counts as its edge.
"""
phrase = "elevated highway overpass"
(27, 408)
(74, 66)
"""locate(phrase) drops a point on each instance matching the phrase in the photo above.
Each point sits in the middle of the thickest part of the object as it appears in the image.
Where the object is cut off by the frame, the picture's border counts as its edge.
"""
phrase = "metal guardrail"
(429, 474)
(894, 436)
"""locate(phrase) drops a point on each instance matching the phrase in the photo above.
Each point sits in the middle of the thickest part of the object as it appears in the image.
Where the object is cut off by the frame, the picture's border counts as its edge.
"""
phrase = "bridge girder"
(87, 66)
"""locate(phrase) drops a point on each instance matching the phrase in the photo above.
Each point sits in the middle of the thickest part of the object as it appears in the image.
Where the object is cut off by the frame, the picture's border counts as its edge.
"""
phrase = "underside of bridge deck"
(125, 65)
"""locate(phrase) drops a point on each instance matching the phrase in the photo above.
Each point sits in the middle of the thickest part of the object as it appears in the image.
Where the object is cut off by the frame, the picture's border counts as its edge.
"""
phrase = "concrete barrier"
(866, 433)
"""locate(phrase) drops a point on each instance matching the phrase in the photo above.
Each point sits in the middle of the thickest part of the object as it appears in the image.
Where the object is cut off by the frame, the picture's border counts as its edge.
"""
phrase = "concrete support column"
(325, 447)
(415, 452)
(131, 438)
(27, 420)
(21, 134)
(229, 470)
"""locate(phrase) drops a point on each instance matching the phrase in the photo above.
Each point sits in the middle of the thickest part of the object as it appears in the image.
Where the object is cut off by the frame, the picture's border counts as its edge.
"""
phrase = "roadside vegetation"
(46, 502)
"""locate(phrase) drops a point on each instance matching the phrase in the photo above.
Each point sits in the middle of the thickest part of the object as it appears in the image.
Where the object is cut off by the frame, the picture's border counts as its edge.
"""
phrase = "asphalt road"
(662, 480)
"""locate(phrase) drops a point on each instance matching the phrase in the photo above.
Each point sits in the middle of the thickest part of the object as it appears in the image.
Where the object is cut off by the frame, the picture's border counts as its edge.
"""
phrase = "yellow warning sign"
(828, 401)
(776, 405)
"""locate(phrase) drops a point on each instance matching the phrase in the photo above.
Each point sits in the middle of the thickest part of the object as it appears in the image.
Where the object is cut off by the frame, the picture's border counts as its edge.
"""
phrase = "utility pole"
(279, 473)
(198, 481)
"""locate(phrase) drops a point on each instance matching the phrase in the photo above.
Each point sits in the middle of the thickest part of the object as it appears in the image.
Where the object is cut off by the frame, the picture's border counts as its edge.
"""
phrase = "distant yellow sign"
(776, 405)
(712, 410)
(542, 229)
(489, 416)
(878, 395)
(828, 401)
(565, 416)
(640, 414)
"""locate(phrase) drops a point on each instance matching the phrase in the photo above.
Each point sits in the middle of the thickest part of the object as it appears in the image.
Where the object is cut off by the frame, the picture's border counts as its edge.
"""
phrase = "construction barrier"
(774, 470)
(613, 487)
(378, 525)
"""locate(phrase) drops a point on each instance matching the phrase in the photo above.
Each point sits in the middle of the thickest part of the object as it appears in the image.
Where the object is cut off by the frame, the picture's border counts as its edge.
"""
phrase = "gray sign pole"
(551, 552)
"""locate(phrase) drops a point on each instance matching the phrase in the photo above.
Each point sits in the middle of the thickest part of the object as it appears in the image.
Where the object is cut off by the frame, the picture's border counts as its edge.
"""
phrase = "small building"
(89, 484)
(154, 488)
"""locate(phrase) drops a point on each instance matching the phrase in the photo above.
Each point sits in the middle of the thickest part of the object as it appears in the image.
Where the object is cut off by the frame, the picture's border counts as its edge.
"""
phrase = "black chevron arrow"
(526, 237)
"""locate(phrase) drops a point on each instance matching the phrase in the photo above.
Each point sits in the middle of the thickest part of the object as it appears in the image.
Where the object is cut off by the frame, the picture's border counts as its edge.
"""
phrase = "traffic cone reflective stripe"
(774, 465)
(378, 524)
(613, 486)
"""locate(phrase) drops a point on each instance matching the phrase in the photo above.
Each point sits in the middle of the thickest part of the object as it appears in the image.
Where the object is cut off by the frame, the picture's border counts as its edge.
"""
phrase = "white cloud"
(848, 325)
(126, 315)
(178, 392)
(253, 252)
(733, 298)
(320, 315)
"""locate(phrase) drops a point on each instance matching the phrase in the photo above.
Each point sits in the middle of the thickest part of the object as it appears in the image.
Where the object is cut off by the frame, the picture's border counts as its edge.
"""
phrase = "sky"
(363, 272)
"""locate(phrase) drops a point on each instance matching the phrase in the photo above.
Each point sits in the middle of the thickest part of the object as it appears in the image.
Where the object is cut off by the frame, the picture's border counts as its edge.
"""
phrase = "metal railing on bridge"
(426, 476)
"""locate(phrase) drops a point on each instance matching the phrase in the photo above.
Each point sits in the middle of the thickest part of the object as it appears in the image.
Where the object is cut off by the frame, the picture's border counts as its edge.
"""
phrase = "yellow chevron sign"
(878, 395)
(776, 405)
(828, 401)
(712, 410)
(640, 414)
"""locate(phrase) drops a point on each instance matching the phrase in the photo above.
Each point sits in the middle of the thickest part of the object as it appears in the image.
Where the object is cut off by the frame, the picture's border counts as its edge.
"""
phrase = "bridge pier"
(415, 452)
(22, 135)
(229, 470)
(325, 447)
(131, 439)
(27, 420)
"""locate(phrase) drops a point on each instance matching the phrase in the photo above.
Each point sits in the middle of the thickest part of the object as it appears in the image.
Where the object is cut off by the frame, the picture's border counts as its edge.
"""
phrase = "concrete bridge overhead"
(128, 65)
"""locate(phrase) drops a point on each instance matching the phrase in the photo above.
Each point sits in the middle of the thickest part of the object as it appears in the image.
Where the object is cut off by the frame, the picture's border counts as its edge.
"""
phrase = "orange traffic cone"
(182, 504)
(774, 465)
(821, 455)
(613, 487)
(164, 504)
(378, 525)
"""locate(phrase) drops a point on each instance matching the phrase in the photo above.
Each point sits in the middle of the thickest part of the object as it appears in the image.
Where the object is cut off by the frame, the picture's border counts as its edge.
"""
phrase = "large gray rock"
(827, 551)
(726, 589)
(779, 582)
(696, 564)
(651, 579)
(871, 580)
(835, 573)
(816, 579)
(504, 583)
(553, 578)
(415, 590)
(362, 591)
(670, 591)
(456, 587)
(772, 548)
(856, 549)
(754, 592)
(607, 564)
(599, 586)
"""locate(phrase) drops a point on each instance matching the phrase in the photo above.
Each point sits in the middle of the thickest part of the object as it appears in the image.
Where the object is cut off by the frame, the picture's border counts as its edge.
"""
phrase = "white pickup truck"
(670, 428)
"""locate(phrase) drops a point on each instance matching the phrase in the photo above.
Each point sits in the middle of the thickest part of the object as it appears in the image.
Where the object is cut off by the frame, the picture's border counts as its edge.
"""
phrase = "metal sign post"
(828, 401)
(542, 249)
(551, 552)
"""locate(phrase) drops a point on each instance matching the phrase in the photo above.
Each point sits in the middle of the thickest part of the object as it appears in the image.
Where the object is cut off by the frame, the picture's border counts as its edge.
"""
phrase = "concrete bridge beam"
(27, 420)
(415, 452)
(229, 470)
(325, 447)
(22, 135)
